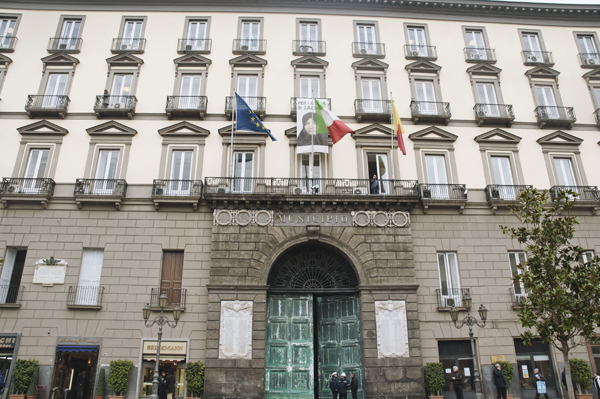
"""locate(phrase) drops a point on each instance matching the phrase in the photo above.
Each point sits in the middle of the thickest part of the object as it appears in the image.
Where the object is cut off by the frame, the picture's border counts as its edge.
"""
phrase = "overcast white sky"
(596, 2)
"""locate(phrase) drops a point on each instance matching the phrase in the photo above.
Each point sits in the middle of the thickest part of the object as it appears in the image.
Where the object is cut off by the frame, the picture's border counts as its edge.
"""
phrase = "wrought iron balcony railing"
(497, 192)
(108, 187)
(586, 193)
(11, 294)
(186, 105)
(258, 104)
(128, 45)
(518, 294)
(294, 102)
(589, 60)
(494, 113)
(415, 52)
(537, 57)
(555, 116)
(304, 47)
(20, 185)
(175, 296)
(443, 191)
(7, 44)
(244, 46)
(81, 295)
(64, 44)
(372, 109)
(58, 105)
(199, 46)
(430, 111)
(306, 186)
(597, 116)
(105, 102)
(448, 297)
(367, 49)
(479, 54)
(182, 188)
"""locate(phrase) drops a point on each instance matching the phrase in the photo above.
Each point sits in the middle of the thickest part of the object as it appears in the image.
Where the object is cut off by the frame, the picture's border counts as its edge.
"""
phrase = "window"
(12, 271)
(132, 33)
(588, 256)
(120, 91)
(106, 172)
(367, 39)
(486, 95)
(55, 88)
(588, 49)
(417, 41)
(425, 92)
(196, 34)
(8, 29)
(477, 47)
(172, 276)
(596, 91)
(181, 172)
(243, 172)
(68, 34)
(190, 91)
(36, 169)
(89, 277)
(502, 173)
(250, 35)
(515, 259)
(563, 159)
(437, 177)
(534, 51)
(564, 172)
(546, 99)
(371, 95)
(247, 88)
(449, 279)
(379, 172)
(308, 36)
(310, 86)
(436, 163)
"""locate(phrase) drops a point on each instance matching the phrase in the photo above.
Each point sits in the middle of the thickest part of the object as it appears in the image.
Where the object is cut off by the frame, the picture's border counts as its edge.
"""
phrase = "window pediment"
(484, 69)
(374, 135)
(560, 138)
(433, 134)
(42, 128)
(5, 61)
(192, 60)
(248, 60)
(370, 64)
(60, 59)
(309, 61)
(498, 136)
(184, 129)
(423, 66)
(111, 128)
(124, 60)
(594, 74)
(542, 72)
(243, 136)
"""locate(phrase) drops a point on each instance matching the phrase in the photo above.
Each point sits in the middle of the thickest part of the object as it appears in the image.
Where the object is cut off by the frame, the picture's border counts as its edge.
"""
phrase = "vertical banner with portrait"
(308, 140)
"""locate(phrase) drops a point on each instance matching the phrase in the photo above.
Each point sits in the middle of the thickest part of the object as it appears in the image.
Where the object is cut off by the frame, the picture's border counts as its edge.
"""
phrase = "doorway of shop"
(74, 366)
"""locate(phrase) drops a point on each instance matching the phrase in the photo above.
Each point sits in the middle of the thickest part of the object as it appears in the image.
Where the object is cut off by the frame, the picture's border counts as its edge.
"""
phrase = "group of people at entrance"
(342, 386)
(166, 385)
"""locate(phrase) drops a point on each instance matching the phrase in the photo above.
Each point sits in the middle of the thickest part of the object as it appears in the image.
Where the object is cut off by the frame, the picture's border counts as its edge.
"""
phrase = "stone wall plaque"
(392, 329)
(49, 274)
(235, 338)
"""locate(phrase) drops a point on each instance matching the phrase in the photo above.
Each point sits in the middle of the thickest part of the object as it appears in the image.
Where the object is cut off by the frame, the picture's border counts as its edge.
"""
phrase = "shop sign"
(319, 218)
(8, 342)
(79, 341)
(166, 348)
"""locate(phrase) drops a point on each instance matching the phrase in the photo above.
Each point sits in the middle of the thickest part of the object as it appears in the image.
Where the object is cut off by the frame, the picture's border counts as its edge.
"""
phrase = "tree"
(563, 289)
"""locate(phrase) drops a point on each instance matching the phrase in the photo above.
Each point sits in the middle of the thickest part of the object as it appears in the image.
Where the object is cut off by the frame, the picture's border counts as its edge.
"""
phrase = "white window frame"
(593, 55)
(63, 40)
(243, 183)
(199, 43)
(130, 42)
(6, 44)
(454, 288)
(253, 43)
(518, 257)
(369, 47)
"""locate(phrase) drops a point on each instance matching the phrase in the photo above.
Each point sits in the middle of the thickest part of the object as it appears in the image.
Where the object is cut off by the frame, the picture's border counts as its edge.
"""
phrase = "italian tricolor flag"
(327, 122)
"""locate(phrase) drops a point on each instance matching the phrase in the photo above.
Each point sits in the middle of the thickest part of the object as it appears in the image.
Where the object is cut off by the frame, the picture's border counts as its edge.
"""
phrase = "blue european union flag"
(247, 119)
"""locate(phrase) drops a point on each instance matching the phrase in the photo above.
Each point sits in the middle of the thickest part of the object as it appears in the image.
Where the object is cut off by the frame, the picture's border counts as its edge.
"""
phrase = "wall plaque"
(392, 329)
(317, 218)
(235, 338)
(49, 274)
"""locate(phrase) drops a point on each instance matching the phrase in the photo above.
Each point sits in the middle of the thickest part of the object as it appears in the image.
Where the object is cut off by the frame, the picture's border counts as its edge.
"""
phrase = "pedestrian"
(374, 185)
(334, 385)
(170, 384)
(457, 379)
(2, 385)
(162, 385)
(354, 385)
(596, 381)
(344, 387)
(500, 382)
(537, 376)
(563, 377)
(81, 385)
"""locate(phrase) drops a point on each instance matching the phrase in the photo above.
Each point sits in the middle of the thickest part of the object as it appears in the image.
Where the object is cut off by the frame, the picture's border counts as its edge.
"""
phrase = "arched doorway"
(313, 323)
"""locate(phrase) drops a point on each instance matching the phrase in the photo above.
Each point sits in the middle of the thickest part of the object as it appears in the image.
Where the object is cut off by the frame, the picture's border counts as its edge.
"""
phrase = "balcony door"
(247, 88)
(476, 45)
(533, 49)
(106, 172)
(12, 271)
(417, 41)
(172, 276)
(371, 95)
(564, 172)
(196, 36)
(449, 279)
(367, 42)
(377, 165)
(546, 99)
(132, 35)
(437, 178)
(426, 97)
(243, 171)
(181, 173)
(486, 93)
(69, 34)
(308, 163)
(190, 91)
(597, 94)
(89, 277)
(36, 169)
(55, 89)
(588, 49)
(515, 259)
(121, 90)
(310, 87)
(250, 36)
(503, 177)
(7, 30)
(309, 37)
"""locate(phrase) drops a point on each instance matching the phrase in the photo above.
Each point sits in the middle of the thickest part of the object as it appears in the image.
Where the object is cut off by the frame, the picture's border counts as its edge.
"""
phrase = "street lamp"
(471, 321)
(161, 321)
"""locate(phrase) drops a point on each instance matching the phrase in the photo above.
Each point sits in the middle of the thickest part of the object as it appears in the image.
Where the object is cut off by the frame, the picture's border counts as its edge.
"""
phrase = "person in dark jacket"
(2, 385)
(82, 383)
(596, 381)
(563, 377)
(354, 385)
(374, 185)
(537, 376)
(162, 385)
(170, 384)
(500, 382)
(334, 385)
(457, 379)
(344, 386)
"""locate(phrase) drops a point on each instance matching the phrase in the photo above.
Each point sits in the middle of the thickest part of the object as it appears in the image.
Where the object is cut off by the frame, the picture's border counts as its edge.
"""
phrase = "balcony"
(443, 195)
(362, 50)
(38, 106)
(503, 195)
(128, 45)
(372, 109)
(480, 54)
(85, 297)
(7, 44)
(519, 296)
(115, 106)
(555, 116)
(535, 58)
(429, 111)
(70, 45)
(597, 116)
(588, 197)
(176, 192)
(420, 52)
(589, 60)
(175, 296)
(194, 46)
(186, 106)
(11, 295)
(99, 191)
(494, 114)
(449, 297)
(257, 104)
(249, 46)
(308, 47)
(23, 189)
(294, 107)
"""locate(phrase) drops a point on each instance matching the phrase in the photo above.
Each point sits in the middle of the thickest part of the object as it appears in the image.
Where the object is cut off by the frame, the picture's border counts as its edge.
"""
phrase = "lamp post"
(471, 321)
(161, 321)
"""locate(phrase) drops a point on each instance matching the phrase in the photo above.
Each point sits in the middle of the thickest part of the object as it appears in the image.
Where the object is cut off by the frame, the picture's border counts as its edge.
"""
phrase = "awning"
(165, 358)
(76, 348)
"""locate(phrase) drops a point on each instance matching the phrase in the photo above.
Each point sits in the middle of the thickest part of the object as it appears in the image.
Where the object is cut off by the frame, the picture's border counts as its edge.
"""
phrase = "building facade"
(122, 181)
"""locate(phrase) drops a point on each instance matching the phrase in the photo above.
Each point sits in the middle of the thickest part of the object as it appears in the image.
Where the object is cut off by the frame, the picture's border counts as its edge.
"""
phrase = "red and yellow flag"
(398, 129)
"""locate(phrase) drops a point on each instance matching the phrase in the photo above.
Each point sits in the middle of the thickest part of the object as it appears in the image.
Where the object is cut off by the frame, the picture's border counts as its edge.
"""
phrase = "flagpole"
(392, 136)
(311, 161)
(232, 130)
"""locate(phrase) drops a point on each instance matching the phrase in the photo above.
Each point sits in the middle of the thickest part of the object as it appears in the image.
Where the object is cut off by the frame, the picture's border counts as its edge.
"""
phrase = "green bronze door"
(338, 331)
(289, 347)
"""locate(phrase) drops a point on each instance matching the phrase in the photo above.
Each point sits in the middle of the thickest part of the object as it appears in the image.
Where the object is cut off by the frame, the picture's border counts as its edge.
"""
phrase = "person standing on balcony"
(457, 379)
(374, 185)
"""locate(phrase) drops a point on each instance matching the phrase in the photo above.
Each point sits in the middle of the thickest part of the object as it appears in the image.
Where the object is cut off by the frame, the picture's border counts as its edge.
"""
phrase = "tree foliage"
(118, 376)
(563, 289)
(582, 372)
(100, 389)
(194, 378)
(23, 374)
(434, 378)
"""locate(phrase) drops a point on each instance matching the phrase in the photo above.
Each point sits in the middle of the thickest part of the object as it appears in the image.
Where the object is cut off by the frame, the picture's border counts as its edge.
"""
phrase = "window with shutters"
(171, 276)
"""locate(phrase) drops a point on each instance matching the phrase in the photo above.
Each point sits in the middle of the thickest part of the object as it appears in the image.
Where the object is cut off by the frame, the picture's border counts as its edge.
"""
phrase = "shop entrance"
(313, 324)
(74, 365)
(173, 356)
(459, 354)
(531, 357)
